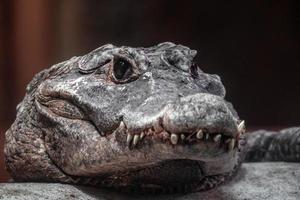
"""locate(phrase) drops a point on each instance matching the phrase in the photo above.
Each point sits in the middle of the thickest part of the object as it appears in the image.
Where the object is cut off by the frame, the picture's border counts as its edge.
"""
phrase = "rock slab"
(255, 181)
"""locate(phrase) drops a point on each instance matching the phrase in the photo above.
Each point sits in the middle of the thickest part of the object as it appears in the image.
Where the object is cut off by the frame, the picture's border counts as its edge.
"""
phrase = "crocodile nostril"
(180, 95)
(200, 111)
(184, 81)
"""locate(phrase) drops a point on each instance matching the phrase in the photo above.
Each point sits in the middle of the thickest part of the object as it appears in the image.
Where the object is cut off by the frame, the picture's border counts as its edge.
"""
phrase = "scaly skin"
(134, 119)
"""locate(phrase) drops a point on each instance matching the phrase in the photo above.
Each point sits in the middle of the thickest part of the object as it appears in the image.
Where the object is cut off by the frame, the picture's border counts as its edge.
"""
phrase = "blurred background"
(252, 45)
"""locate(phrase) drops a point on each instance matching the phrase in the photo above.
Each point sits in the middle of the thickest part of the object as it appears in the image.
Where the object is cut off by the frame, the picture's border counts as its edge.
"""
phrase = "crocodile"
(135, 120)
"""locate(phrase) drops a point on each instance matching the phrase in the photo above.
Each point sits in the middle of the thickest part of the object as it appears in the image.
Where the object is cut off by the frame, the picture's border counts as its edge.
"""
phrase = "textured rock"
(255, 181)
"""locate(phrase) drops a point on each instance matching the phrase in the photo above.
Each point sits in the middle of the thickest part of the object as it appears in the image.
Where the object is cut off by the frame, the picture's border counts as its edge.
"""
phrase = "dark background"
(252, 45)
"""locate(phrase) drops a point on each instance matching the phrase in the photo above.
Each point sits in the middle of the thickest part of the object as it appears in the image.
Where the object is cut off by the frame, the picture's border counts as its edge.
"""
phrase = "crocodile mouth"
(174, 174)
(201, 136)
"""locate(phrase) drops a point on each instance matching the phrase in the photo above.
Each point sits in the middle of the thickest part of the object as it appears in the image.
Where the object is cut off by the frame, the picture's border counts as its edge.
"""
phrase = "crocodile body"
(134, 119)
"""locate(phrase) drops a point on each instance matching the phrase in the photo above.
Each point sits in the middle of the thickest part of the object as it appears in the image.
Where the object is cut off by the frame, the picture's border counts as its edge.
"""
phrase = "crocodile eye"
(122, 70)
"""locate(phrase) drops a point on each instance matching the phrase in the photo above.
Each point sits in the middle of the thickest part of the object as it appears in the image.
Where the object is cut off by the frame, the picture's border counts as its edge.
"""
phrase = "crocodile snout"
(200, 111)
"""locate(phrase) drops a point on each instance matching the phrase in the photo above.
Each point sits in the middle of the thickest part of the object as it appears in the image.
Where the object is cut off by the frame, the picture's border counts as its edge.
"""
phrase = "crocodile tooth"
(142, 135)
(182, 136)
(174, 138)
(206, 136)
(136, 139)
(217, 138)
(129, 138)
(199, 134)
(231, 144)
(102, 133)
(241, 127)
(122, 125)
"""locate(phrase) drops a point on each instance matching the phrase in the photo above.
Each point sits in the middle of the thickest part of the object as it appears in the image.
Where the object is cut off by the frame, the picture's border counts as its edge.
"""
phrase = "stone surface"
(255, 181)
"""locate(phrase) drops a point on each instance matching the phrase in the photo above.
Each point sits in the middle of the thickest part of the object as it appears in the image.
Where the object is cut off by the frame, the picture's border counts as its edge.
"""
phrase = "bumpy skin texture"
(137, 119)
(274, 146)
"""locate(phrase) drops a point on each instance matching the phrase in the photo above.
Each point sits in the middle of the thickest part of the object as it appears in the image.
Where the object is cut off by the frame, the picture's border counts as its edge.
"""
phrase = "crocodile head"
(145, 118)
